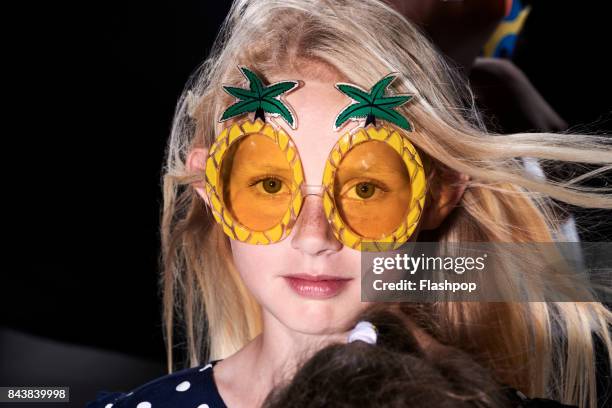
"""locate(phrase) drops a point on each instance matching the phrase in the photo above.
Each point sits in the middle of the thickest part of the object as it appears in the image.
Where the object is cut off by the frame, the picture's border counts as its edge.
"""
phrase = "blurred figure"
(403, 367)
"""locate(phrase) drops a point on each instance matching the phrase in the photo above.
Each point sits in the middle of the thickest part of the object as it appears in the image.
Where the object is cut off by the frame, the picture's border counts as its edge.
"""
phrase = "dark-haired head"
(395, 372)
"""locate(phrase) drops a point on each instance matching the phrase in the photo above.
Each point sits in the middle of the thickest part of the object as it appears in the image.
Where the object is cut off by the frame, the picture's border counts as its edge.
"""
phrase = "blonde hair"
(205, 300)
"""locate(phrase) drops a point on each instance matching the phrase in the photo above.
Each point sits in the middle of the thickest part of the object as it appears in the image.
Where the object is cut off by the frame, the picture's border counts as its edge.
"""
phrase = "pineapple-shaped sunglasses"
(373, 186)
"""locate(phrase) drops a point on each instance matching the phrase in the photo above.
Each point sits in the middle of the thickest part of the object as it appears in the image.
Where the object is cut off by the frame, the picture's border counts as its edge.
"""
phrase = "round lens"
(372, 189)
(257, 182)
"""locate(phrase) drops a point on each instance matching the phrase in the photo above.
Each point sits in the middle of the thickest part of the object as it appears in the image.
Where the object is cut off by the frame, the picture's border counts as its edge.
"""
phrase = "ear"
(446, 187)
(196, 163)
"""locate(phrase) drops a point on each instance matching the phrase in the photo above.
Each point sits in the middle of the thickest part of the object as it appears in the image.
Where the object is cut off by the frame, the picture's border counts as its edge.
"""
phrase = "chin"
(315, 327)
(317, 317)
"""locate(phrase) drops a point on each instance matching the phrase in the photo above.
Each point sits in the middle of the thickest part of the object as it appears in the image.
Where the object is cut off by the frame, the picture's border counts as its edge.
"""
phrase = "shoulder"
(190, 388)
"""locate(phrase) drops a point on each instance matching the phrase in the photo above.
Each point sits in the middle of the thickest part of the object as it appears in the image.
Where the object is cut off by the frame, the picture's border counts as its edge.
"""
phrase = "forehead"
(316, 104)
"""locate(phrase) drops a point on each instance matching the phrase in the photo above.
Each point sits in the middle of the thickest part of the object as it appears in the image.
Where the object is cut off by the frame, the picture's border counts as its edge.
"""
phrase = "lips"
(316, 286)
(308, 277)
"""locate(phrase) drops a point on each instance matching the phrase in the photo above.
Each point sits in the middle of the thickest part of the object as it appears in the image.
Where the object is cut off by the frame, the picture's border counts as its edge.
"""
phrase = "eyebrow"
(378, 168)
(351, 173)
(267, 167)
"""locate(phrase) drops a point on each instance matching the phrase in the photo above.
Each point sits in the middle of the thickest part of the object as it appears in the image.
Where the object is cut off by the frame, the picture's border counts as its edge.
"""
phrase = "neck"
(282, 349)
(271, 358)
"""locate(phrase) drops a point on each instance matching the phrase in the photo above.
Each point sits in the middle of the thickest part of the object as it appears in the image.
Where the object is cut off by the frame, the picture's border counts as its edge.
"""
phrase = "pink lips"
(316, 286)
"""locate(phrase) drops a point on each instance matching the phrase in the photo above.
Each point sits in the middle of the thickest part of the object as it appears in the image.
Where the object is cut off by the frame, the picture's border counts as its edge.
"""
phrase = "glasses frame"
(342, 231)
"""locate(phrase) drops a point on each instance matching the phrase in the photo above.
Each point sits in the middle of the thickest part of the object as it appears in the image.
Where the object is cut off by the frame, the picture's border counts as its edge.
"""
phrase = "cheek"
(245, 255)
(252, 261)
(260, 267)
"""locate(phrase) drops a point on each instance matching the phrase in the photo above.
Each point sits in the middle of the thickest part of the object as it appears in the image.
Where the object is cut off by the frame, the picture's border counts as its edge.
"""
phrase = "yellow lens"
(372, 189)
(257, 182)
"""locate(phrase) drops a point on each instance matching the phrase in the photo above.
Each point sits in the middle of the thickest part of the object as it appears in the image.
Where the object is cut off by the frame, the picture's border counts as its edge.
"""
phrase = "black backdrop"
(92, 110)
(93, 92)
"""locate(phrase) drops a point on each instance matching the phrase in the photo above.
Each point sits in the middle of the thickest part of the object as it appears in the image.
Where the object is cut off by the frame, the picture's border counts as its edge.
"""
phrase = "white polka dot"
(108, 405)
(205, 367)
(144, 404)
(203, 406)
(184, 386)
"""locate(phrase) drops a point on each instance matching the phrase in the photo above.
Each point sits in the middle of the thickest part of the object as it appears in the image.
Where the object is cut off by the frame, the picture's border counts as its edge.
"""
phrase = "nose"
(312, 233)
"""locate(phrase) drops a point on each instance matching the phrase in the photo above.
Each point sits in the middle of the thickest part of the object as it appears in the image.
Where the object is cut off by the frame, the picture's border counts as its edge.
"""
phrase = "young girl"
(251, 282)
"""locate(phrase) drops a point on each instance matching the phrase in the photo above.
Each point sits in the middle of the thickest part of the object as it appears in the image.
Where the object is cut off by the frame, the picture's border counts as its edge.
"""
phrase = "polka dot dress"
(190, 388)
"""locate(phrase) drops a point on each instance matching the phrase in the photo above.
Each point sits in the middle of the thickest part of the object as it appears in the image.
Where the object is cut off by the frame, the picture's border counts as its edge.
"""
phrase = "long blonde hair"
(205, 300)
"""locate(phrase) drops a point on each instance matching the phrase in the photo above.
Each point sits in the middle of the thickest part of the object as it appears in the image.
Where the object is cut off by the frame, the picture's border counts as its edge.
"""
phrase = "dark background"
(100, 89)
(92, 93)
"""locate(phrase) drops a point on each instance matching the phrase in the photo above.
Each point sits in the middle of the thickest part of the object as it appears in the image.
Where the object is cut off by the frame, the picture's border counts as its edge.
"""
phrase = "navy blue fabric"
(189, 388)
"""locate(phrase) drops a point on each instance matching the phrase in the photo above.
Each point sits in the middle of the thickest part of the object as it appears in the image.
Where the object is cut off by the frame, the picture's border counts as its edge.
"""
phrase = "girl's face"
(311, 249)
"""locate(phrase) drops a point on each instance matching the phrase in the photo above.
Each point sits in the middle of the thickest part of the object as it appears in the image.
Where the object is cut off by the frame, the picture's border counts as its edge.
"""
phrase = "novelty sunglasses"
(374, 184)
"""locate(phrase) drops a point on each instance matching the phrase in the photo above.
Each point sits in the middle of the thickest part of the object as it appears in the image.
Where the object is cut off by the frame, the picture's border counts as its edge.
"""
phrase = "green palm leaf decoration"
(260, 99)
(373, 105)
